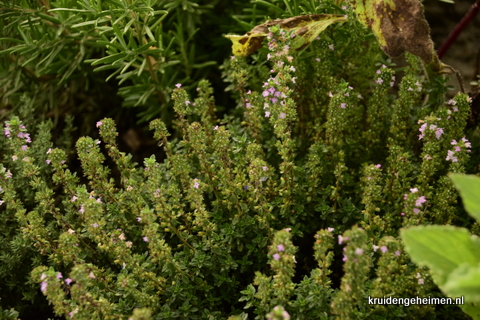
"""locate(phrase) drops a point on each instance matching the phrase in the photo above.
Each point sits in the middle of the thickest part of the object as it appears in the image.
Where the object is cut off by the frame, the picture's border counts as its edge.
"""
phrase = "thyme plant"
(290, 207)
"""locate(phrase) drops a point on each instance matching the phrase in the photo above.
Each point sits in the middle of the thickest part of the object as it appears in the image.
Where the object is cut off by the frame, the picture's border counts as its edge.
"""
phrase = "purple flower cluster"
(451, 154)
(280, 248)
(382, 248)
(432, 127)
(274, 96)
(381, 80)
(418, 202)
(21, 134)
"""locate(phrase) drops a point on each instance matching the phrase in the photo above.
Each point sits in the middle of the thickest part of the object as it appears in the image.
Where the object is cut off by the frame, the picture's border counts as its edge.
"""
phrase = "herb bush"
(290, 206)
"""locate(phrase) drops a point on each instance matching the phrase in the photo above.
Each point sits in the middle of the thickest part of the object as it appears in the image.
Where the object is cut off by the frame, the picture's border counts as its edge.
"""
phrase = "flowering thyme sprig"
(280, 108)
(415, 206)
(377, 110)
(357, 263)
(277, 291)
(324, 241)
(278, 313)
(432, 134)
(372, 197)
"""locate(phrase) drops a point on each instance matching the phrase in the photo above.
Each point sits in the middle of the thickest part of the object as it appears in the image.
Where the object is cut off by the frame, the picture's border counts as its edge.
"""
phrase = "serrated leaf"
(440, 248)
(306, 27)
(469, 188)
(464, 281)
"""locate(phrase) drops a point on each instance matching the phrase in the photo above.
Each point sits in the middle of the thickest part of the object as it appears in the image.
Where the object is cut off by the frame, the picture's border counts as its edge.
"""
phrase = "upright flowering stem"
(281, 109)
(357, 263)
(372, 196)
(408, 97)
(323, 254)
(378, 111)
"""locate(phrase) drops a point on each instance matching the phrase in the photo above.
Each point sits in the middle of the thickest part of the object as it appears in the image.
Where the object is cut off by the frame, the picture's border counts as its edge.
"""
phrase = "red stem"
(458, 29)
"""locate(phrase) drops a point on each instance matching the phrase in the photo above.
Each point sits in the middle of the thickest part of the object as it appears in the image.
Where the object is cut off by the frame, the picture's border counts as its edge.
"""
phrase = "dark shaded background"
(463, 55)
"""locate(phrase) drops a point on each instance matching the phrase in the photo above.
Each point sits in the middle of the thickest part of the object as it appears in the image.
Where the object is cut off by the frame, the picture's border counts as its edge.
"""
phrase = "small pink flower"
(276, 256)
(421, 200)
(280, 248)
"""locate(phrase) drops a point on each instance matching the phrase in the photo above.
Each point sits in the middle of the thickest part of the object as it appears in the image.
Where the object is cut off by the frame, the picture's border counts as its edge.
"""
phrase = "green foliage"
(289, 207)
(451, 253)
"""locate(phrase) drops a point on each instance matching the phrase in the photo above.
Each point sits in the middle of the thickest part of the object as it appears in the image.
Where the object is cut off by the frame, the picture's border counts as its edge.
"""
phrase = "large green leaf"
(469, 188)
(441, 248)
(306, 27)
(464, 281)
